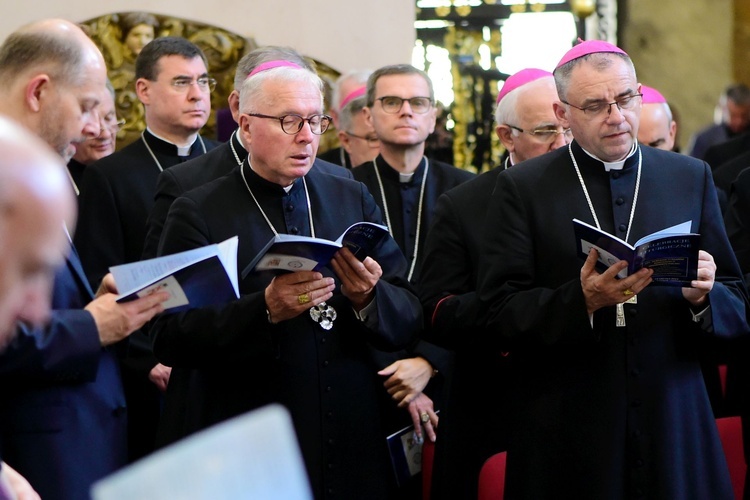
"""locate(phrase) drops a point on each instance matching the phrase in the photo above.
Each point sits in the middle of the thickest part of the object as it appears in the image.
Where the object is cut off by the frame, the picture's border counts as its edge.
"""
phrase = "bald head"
(657, 128)
(35, 199)
(528, 109)
(53, 76)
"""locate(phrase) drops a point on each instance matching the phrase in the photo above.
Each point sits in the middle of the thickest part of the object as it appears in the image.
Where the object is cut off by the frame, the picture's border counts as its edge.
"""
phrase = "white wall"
(344, 34)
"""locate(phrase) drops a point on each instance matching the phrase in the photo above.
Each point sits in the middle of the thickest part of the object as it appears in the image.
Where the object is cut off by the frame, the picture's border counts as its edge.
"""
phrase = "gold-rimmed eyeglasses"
(372, 140)
(546, 134)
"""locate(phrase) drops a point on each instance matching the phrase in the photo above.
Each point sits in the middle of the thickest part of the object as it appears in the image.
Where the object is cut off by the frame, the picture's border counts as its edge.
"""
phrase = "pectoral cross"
(620, 311)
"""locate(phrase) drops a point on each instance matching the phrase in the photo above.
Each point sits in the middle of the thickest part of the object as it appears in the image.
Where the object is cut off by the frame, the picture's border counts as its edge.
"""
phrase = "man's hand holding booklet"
(671, 253)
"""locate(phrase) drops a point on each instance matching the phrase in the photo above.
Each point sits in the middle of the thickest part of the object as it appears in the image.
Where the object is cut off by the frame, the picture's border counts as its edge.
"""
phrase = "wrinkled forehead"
(603, 73)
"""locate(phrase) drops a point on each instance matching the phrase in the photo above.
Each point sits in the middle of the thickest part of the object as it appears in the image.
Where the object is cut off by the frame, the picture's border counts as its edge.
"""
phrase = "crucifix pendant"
(620, 311)
(324, 315)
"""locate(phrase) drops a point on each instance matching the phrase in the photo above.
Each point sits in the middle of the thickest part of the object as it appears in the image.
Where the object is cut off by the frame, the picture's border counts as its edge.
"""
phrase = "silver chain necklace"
(145, 142)
(234, 151)
(419, 210)
(323, 314)
(619, 308)
(588, 198)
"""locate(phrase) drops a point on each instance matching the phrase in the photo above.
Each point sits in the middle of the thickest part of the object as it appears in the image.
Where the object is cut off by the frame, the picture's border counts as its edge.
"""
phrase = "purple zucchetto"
(521, 78)
(358, 92)
(651, 95)
(589, 47)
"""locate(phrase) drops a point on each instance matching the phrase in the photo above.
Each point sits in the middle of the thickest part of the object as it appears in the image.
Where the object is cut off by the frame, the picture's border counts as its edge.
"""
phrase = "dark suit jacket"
(603, 411)
(239, 361)
(335, 156)
(719, 154)
(63, 418)
(117, 193)
(707, 137)
(726, 173)
(180, 179)
(449, 278)
(403, 218)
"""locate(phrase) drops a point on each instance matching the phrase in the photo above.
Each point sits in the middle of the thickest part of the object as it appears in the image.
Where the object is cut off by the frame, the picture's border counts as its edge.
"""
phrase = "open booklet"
(255, 455)
(287, 252)
(194, 278)
(671, 253)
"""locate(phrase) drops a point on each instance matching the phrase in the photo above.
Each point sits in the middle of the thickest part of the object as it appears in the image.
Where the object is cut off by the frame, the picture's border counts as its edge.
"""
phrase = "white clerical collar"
(285, 188)
(404, 178)
(181, 150)
(613, 165)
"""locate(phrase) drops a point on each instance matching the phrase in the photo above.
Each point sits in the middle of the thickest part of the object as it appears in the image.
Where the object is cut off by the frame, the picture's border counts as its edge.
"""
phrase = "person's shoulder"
(540, 165)
(220, 188)
(475, 189)
(318, 175)
(331, 168)
(452, 171)
(363, 171)
(129, 157)
(196, 165)
(211, 144)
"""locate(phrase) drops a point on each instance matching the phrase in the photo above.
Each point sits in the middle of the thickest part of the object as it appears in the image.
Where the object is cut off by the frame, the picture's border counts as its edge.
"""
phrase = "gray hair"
(359, 77)
(506, 112)
(251, 92)
(348, 112)
(600, 60)
(261, 55)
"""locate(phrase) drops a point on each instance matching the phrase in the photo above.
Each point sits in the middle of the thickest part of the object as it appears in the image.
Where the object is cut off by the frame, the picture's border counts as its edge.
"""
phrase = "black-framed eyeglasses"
(545, 134)
(626, 102)
(393, 104)
(292, 124)
(205, 83)
(372, 140)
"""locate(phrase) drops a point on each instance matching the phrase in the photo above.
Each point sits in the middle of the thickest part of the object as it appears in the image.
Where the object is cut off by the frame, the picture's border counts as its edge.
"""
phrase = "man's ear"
(234, 105)
(244, 130)
(433, 112)
(505, 134)
(368, 116)
(345, 141)
(561, 112)
(143, 90)
(37, 89)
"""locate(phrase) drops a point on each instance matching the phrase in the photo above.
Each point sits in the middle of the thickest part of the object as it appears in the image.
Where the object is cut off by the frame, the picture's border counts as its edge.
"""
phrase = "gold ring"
(303, 298)
(424, 417)
(628, 292)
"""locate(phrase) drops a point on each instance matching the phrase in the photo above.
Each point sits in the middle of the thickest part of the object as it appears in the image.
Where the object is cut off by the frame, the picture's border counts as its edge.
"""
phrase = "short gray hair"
(251, 92)
(360, 77)
(505, 111)
(261, 55)
(348, 112)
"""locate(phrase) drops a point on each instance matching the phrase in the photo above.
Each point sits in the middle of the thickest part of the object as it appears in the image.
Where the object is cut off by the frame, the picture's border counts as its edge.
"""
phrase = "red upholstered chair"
(730, 432)
(492, 478)
(428, 455)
